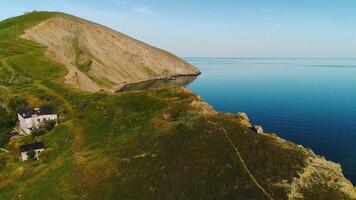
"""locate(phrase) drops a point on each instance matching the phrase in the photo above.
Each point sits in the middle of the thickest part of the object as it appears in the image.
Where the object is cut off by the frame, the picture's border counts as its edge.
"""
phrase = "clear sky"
(220, 28)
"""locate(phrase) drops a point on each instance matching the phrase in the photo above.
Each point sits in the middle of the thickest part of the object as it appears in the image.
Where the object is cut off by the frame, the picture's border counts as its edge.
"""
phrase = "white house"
(37, 147)
(31, 118)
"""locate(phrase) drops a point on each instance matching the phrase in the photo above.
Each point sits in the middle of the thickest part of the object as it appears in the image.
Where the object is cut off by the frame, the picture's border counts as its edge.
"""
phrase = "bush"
(31, 154)
(43, 128)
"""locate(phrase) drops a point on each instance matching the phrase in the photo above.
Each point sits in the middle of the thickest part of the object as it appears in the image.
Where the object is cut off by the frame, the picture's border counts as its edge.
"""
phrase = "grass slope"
(135, 145)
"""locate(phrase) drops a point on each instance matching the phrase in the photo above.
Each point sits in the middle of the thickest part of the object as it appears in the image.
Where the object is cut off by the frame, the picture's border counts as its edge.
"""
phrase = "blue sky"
(225, 28)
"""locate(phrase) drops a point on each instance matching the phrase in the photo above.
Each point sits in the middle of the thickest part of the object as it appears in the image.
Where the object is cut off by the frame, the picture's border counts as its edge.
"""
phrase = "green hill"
(158, 144)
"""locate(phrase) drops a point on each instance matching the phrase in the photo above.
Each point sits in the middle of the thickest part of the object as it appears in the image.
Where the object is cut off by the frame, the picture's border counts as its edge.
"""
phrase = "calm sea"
(308, 101)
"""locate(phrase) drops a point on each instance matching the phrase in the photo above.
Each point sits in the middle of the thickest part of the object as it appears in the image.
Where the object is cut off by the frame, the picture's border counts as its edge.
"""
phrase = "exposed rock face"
(321, 174)
(198, 104)
(258, 129)
(100, 58)
(243, 116)
(244, 119)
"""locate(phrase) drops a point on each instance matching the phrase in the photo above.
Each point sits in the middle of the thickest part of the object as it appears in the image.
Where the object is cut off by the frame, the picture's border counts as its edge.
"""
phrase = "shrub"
(31, 154)
(45, 127)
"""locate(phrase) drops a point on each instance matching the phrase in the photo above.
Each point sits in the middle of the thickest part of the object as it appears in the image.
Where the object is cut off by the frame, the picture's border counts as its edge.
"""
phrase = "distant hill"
(100, 58)
(157, 144)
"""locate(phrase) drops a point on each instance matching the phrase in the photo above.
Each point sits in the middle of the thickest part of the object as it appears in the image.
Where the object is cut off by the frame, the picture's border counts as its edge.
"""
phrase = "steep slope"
(100, 58)
(158, 144)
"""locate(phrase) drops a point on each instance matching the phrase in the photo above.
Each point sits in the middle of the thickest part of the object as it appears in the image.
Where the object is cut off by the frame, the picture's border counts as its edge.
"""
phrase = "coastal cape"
(164, 143)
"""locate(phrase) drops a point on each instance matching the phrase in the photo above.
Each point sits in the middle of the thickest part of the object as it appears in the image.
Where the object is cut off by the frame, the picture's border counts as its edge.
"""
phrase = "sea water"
(310, 101)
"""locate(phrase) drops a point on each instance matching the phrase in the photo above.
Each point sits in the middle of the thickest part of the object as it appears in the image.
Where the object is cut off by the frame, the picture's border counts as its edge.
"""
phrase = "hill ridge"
(100, 58)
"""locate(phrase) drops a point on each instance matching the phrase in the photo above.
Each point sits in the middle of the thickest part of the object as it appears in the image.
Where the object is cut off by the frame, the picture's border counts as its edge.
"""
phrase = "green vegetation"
(13, 27)
(135, 145)
(7, 122)
(23, 66)
(82, 61)
(31, 154)
(43, 128)
(155, 141)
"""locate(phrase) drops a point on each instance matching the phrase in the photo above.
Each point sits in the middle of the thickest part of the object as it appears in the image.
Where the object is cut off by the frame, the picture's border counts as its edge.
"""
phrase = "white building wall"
(27, 123)
(24, 155)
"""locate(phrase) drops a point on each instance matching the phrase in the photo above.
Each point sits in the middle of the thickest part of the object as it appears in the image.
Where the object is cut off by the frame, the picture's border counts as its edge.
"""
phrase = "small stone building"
(37, 147)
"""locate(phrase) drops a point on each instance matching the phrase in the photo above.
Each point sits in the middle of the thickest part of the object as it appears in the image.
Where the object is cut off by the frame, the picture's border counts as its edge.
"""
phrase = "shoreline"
(122, 86)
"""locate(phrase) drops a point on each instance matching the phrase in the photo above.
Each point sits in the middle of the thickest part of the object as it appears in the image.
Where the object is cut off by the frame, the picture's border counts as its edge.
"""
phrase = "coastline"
(317, 168)
(123, 86)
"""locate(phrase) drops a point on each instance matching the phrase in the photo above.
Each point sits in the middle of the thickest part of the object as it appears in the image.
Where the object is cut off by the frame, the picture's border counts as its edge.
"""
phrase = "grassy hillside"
(22, 65)
(158, 144)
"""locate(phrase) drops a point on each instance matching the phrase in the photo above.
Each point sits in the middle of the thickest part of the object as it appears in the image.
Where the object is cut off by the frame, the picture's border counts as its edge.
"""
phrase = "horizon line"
(262, 57)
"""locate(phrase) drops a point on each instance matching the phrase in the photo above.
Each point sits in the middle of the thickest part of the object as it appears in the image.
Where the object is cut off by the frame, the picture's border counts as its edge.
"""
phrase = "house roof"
(28, 112)
(33, 146)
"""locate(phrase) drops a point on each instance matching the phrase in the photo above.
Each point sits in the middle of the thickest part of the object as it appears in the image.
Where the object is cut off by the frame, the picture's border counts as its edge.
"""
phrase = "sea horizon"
(262, 57)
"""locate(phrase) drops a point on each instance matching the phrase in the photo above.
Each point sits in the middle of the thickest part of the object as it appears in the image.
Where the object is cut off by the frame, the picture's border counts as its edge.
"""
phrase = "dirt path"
(238, 155)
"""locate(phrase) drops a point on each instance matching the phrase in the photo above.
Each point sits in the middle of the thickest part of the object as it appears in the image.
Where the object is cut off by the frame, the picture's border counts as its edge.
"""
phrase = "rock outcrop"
(321, 174)
(258, 129)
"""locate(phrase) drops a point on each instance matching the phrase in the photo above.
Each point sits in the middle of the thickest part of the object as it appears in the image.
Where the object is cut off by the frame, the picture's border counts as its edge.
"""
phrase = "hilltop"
(159, 144)
(100, 58)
